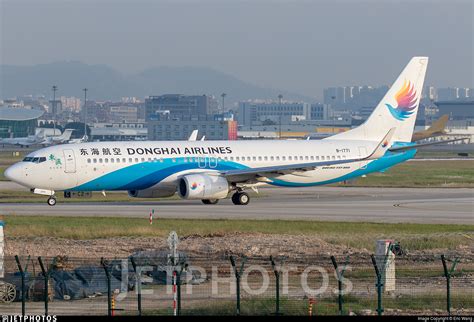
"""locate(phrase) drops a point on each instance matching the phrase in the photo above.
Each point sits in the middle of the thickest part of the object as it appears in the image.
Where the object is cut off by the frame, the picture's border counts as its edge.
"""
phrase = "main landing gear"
(240, 198)
(52, 200)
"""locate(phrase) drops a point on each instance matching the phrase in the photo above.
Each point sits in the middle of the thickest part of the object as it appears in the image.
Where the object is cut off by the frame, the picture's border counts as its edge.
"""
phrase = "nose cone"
(14, 173)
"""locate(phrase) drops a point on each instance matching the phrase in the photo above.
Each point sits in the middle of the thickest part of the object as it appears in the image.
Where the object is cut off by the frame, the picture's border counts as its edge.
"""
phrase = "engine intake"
(203, 186)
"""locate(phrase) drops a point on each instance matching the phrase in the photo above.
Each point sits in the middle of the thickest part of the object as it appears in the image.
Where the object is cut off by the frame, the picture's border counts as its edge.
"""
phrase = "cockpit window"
(34, 159)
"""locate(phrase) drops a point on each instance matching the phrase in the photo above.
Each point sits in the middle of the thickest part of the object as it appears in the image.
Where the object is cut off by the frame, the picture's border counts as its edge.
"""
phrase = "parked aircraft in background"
(80, 140)
(211, 170)
(24, 141)
(56, 139)
(436, 129)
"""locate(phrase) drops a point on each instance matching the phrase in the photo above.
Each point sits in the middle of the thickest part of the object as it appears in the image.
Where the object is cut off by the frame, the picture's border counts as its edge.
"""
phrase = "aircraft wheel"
(51, 201)
(240, 198)
(210, 201)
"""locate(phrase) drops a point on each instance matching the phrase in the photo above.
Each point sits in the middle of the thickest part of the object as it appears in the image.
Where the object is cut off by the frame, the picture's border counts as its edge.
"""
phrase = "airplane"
(212, 170)
(25, 141)
(80, 140)
(64, 137)
(436, 129)
(193, 136)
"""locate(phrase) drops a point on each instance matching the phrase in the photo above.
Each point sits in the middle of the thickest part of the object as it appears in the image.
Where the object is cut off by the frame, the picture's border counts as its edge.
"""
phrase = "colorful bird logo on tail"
(406, 100)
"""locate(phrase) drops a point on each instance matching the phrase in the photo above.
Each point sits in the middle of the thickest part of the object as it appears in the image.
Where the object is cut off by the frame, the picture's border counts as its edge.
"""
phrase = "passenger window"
(333, 157)
(143, 159)
(249, 159)
(277, 158)
(339, 157)
(118, 160)
(95, 160)
(88, 160)
(106, 160)
(136, 160)
(237, 158)
(272, 158)
(255, 158)
(322, 157)
(290, 158)
(100, 160)
(112, 160)
(312, 157)
(231, 158)
(149, 159)
(283, 158)
(260, 158)
(301, 157)
(327, 157)
(306, 158)
(265, 158)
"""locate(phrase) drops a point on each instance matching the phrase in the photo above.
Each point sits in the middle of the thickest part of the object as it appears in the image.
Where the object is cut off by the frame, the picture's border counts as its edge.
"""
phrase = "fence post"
(183, 266)
(238, 274)
(109, 291)
(447, 274)
(46, 275)
(379, 286)
(139, 285)
(22, 275)
(277, 281)
(340, 276)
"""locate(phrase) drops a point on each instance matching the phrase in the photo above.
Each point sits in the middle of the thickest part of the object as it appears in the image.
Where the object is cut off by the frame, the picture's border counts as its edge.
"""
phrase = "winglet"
(383, 146)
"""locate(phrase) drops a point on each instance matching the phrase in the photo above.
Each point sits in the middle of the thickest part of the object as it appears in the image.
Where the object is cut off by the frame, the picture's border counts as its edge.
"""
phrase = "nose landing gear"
(52, 200)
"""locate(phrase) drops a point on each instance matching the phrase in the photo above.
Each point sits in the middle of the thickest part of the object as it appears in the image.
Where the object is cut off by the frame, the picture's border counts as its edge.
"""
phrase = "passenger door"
(69, 161)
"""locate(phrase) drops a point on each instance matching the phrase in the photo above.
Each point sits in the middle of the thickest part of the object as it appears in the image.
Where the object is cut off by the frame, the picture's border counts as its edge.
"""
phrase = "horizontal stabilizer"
(420, 145)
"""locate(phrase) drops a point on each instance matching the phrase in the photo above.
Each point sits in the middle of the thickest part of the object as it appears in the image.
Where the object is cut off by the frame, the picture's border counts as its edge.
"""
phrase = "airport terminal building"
(18, 122)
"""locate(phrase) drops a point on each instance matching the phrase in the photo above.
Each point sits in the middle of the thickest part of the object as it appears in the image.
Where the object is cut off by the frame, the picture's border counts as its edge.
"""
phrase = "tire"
(51, 201)
(240, 198)
(210, 201)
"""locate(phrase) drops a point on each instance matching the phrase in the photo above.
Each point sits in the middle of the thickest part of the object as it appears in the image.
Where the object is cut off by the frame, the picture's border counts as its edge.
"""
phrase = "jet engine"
(203, 186)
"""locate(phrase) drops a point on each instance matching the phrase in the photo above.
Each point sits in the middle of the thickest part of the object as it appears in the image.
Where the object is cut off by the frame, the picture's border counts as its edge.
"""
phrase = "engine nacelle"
(203, 186)
(151, 193)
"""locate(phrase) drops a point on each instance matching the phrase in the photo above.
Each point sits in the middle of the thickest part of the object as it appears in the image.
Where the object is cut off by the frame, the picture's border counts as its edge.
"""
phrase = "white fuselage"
(158, 165)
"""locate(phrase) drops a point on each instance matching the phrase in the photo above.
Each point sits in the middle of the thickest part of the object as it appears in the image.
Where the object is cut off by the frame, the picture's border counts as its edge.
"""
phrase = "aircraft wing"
(252, 173)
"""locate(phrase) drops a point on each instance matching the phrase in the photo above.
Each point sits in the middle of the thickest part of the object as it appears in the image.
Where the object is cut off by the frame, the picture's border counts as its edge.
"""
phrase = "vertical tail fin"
(397, 109)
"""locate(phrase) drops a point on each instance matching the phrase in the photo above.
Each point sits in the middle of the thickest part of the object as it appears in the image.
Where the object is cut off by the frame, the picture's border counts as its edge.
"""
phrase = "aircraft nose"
(14, 173)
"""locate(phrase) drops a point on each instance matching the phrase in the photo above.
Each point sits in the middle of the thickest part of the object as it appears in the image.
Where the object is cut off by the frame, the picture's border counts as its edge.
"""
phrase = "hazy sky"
(301, 46)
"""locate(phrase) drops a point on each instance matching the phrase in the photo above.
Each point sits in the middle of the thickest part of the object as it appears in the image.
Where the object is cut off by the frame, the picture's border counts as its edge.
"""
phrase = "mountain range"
(105, 83)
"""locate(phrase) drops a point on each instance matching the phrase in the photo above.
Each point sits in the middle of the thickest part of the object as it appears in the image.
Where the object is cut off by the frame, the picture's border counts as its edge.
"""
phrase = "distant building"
(447, 94)
(178, 104)
(257, 113)
(119, 132)
(319, 111)
(457, 110)
(123, 113)
(168, 127)
(71, 103)
(18, 122)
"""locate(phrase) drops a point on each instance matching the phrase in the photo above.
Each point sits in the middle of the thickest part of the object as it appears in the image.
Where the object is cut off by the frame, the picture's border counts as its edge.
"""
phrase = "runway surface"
(390, 205)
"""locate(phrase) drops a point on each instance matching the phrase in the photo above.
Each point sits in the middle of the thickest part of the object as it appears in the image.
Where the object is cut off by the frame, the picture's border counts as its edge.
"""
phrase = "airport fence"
(157, 284)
